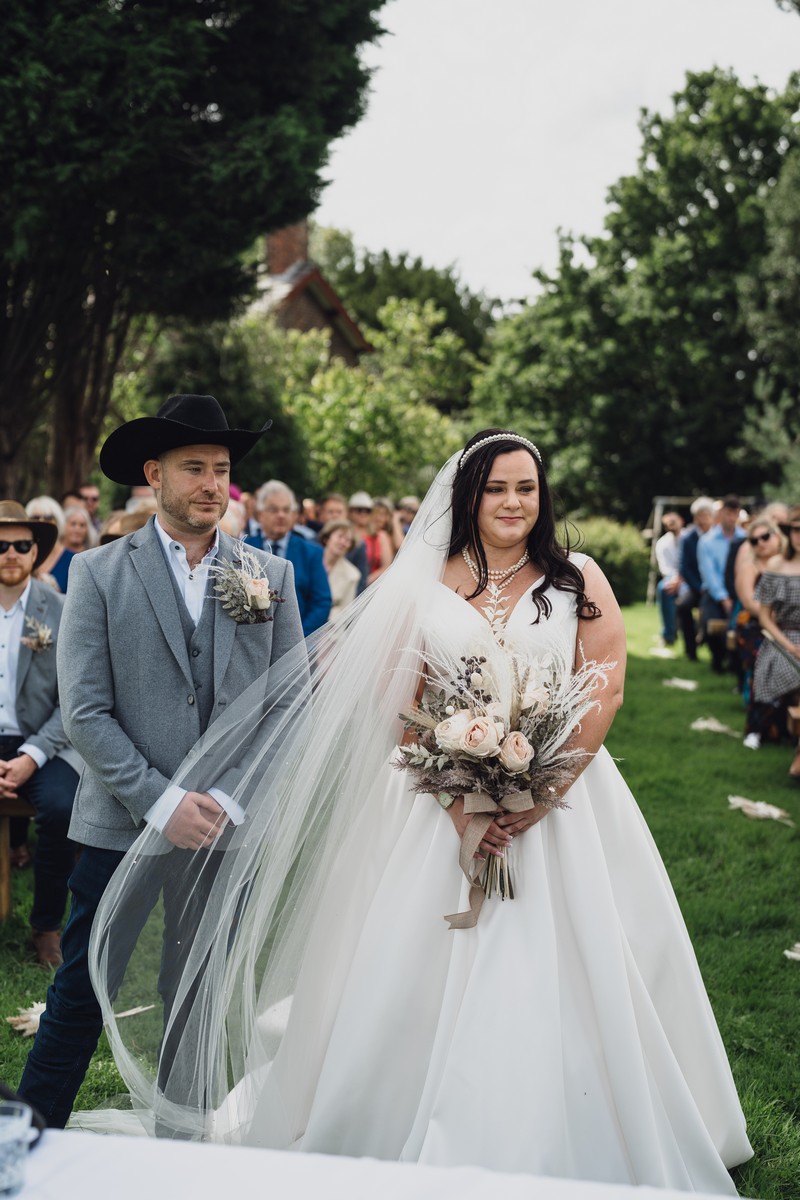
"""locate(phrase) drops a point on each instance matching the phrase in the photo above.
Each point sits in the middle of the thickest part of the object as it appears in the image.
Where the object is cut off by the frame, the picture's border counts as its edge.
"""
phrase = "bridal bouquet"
(497, 734)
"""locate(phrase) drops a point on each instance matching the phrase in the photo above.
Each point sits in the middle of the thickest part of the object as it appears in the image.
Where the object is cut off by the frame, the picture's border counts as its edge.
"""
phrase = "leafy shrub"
(619, 551)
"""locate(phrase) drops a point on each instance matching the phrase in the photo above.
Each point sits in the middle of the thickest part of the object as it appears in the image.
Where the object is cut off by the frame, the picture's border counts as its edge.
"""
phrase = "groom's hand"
(196, 822)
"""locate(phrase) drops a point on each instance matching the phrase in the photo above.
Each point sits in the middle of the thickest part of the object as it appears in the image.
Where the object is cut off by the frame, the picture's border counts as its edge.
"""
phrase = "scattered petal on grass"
(28, 1020)
(759, 810)
(794, 953)
(712, 725)
(662, 652)
(686, 685)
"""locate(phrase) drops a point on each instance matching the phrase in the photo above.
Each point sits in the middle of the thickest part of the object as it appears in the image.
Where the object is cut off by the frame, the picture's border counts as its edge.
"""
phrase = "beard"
(180, 509)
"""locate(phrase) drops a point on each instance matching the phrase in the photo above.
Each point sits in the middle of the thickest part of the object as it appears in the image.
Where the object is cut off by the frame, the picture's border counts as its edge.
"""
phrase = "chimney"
(287, 246)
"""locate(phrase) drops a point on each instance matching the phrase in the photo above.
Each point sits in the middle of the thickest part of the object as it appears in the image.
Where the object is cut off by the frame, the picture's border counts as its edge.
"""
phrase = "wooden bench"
(8, 809)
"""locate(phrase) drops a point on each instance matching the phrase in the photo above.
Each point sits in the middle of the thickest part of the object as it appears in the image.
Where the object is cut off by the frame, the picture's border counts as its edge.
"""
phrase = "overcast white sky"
(493, 122)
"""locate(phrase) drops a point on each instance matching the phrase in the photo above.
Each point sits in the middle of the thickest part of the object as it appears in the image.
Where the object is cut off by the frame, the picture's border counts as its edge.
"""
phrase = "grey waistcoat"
(200, 645)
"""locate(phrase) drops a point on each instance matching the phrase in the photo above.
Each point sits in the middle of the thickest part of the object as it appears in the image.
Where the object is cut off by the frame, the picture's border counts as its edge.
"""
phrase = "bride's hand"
(495, 838)
(516, 823)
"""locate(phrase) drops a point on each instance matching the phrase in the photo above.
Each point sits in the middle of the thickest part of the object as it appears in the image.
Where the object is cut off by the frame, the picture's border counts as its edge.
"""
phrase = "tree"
(366, 280)
(374, 426)
(635, 366)
(144, 145)
(771, 304)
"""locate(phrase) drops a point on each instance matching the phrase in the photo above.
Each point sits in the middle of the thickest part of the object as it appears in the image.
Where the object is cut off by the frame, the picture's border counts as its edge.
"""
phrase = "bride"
(327, 1006)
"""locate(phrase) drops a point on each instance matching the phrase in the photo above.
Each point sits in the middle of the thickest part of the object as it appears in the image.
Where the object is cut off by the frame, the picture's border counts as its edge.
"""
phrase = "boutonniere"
(40, 637)
(244, 590)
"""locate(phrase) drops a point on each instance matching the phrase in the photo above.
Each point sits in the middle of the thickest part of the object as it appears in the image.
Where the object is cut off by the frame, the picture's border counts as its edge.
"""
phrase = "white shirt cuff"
(164, 807)
(168, 801)
(38, 756)
(234, 810)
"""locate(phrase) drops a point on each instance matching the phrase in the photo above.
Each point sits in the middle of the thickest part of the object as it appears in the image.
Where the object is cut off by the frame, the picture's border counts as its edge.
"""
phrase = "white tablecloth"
(86, 1166)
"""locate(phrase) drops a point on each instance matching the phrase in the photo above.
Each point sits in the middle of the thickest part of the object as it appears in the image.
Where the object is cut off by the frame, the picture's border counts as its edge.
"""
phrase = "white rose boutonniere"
(40, 637)
(244, 590)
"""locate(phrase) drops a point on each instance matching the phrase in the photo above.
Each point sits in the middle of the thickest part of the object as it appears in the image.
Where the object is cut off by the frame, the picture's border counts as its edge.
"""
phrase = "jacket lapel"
(152, 568)
(224, 624)
(37, 608)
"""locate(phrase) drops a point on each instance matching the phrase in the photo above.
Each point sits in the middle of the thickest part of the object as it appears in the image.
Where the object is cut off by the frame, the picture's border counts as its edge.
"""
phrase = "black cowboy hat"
(181, 421)
(44, 533)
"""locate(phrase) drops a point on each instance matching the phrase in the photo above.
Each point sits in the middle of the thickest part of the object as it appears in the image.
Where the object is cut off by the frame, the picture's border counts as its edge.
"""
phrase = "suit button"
(195, 653)
(190, 699)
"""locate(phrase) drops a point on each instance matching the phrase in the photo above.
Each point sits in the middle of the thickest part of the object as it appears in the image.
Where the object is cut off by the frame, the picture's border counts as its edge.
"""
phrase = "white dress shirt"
(12, 631)
(192, 581)
(668, 555)
(192, 584)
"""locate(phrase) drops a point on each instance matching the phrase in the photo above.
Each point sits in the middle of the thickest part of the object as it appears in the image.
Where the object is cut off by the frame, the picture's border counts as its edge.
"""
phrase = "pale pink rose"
(516, 752)
(448, 733)
(482, 738)
(258, 593)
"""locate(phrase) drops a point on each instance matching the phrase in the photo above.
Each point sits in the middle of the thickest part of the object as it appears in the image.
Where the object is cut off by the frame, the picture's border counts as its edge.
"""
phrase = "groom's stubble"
(183, 497)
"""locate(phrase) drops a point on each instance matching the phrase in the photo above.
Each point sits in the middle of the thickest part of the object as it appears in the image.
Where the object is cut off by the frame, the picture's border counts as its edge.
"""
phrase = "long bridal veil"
(302, 752)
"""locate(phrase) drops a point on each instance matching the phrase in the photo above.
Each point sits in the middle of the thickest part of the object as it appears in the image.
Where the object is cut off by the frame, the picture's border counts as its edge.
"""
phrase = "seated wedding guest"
(667, 558)
(337, 537)
(37, 762)
(716, 604)
(379, 548)
(118, 524)
(702, 511)
(90, 498)
(79, 532)
(252, 526)
(300, 525)
(72, 499)
(310, 510)
(235, 519)
(54, 567)
(407, 508)
(139, 495)
(764, 541)
(275, 506)
(386, 517)
(333, 507)
(776, 676)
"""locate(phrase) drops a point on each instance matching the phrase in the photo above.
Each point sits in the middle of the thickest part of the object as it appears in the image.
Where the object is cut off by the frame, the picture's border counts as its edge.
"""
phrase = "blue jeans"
(669, 615)
(70, 1027)
(51, 790)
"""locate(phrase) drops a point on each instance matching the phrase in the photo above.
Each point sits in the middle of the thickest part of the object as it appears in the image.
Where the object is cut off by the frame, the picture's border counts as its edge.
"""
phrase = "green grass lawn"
(736, 881)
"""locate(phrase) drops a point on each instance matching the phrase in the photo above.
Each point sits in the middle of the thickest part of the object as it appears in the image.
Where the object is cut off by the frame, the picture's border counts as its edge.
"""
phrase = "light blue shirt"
(712, 557)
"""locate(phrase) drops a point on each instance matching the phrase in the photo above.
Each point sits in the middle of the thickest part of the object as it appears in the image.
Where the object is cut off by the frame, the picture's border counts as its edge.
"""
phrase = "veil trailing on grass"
(308, 743)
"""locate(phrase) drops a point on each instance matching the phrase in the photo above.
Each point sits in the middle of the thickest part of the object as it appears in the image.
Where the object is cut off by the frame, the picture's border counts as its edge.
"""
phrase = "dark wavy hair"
(543, 547)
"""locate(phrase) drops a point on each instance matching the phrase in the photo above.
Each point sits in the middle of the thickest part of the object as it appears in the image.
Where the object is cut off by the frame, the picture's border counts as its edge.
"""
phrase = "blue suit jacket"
(310, 579)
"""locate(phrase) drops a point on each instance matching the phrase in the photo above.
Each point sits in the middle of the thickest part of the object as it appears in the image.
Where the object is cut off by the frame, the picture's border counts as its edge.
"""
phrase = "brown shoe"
(47, 944)
(19, 857)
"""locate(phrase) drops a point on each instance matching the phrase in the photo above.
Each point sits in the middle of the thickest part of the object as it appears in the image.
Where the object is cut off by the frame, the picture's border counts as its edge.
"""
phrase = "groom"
(148, 658)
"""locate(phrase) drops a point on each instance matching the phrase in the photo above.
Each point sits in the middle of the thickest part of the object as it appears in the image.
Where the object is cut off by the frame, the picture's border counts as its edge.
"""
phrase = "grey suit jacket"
(126, 682)
(37, 703)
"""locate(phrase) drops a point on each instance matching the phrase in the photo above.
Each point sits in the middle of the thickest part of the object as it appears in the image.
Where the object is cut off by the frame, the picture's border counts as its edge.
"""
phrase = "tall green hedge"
(620, 552)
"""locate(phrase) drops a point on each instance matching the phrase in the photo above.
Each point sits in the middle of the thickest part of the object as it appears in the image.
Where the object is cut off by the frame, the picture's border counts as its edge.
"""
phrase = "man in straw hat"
(148, 659)
(37, 763)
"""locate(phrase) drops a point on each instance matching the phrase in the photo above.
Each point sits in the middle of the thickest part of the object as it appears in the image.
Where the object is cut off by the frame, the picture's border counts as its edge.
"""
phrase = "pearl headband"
(500, 437)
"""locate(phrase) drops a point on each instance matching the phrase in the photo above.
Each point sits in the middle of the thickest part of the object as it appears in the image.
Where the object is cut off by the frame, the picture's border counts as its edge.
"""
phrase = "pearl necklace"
(494, 576)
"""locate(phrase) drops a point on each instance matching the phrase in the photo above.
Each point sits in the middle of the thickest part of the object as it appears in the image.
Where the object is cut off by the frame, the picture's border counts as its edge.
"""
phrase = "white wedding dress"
(569, 1034)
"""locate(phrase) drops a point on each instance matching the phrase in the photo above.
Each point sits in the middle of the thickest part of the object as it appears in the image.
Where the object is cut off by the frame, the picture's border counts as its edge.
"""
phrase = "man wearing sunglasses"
(37, 763)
